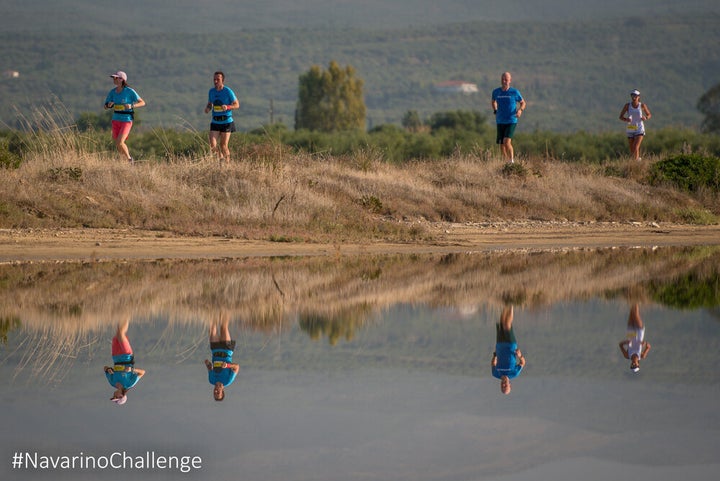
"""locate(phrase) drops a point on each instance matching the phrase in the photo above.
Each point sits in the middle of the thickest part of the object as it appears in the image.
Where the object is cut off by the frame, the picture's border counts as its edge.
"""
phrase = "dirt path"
(76, 245)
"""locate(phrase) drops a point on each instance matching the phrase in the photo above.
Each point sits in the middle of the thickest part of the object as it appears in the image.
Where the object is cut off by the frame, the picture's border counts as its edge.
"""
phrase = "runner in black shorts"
(508, 105)
(221, 101)
(222, 127)
(221, 370)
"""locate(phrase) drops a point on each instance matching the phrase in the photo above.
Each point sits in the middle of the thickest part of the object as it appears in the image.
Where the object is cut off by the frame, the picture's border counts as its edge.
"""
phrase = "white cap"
(119, 74)
(120, 400)
(634, 92)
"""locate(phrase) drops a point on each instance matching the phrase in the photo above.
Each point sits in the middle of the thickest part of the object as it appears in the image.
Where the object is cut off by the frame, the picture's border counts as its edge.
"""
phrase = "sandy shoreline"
(79, 245)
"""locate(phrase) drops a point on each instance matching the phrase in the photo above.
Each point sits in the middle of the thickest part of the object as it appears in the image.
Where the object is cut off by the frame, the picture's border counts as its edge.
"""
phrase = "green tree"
(709, 106)
(464, 120)
(411, 121)
(92, 121)
(330, 100)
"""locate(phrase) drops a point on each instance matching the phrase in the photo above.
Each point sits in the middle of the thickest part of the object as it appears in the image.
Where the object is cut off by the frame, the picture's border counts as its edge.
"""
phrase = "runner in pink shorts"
(122, 100)
(123, 374)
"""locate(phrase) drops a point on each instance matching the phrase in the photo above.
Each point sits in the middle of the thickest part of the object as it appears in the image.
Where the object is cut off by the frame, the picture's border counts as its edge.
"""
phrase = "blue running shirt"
(506, 360)
(219, 98)
(126, 96)
(507, 101)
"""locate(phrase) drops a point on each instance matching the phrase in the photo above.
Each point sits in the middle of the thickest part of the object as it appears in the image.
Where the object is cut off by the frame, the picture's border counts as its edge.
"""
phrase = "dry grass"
(274, 194)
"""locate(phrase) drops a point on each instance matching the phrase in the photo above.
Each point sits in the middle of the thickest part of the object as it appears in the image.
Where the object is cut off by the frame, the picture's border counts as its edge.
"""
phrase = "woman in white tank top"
(634, 113)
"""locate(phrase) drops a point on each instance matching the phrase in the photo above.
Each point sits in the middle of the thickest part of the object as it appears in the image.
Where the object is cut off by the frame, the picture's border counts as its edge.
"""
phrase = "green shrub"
(168, 144)
(8, 159)
(697, 216)
(515, 169)
(469, 121)
(391, 141)
(689, 172)
(11, 150)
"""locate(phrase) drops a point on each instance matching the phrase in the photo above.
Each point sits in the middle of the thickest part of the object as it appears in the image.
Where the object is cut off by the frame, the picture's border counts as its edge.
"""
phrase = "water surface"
(370, 367)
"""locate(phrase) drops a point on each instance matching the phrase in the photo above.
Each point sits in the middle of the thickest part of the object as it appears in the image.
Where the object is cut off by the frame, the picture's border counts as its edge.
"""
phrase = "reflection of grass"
(265, 293)
(65, 308)
(48, 354)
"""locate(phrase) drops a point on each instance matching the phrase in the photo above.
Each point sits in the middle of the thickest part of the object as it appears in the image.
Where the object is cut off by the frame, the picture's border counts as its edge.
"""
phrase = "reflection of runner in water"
(507, 360)
(634, 346)
(221, 371)
(123, 375)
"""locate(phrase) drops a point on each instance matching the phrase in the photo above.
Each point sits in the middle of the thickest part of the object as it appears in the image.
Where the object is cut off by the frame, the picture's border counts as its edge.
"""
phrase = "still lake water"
(368, 368)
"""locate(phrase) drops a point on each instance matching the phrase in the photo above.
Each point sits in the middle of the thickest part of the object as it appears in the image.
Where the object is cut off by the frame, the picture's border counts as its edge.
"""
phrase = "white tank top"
(635, 125)
(636, 338)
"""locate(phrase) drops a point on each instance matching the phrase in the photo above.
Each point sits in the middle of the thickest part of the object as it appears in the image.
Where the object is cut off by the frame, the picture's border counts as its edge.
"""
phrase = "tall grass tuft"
(50, 132)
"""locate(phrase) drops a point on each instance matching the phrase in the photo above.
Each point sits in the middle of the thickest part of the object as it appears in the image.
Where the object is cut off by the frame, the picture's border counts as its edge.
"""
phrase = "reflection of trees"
(692, 290)
(342, 324)
(7, 325)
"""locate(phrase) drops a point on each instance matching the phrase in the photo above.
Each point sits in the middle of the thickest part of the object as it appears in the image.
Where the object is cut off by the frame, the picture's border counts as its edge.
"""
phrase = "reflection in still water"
(123, 375)
(65, 308)
(221, 371)
(340, 324)
(634, 347)
(507, 361)
(400, 389)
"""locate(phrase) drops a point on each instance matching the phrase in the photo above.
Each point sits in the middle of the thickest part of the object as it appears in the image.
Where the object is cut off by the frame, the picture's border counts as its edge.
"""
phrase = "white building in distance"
(455, 87)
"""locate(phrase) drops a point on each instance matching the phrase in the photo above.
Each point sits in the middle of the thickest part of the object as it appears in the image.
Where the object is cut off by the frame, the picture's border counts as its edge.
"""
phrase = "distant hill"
(208, 16)
(575, 64)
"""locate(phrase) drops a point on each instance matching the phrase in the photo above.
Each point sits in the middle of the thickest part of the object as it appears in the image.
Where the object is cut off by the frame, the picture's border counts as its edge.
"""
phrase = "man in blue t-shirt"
(507, 361)
(221, 371)
(221, 101)
(507, 104)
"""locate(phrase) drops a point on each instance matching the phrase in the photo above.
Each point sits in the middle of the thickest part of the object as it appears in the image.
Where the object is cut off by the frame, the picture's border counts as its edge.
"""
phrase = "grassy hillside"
(278, 194)
(576, 75)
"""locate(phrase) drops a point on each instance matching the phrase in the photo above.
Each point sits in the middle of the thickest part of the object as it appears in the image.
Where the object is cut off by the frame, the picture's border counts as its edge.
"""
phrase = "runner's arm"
(623, 112)
(645, 350)
(646, 110)
(138, 103)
